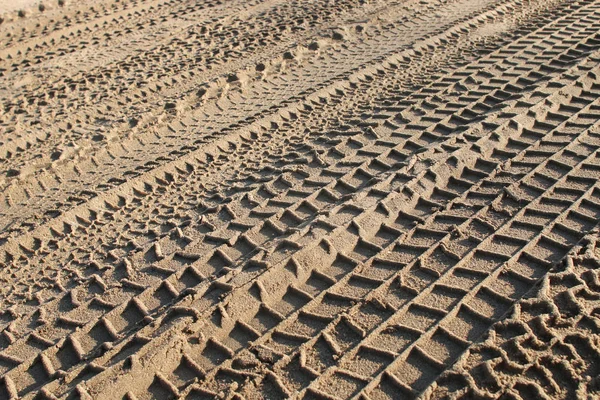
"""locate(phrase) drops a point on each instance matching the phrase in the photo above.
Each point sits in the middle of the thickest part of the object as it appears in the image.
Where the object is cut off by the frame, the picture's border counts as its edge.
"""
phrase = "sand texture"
(321, 199)
(11, 8)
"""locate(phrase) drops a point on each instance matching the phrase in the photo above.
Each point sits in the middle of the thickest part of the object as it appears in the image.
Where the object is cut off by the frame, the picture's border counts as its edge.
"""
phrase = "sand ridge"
(269, 199)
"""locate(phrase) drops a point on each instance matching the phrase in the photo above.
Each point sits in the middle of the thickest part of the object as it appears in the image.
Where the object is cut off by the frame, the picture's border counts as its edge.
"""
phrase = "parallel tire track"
(354, 208)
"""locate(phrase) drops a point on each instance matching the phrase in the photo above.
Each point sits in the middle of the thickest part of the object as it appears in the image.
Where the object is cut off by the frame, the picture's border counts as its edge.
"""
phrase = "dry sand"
(322, 199)
(15, 5)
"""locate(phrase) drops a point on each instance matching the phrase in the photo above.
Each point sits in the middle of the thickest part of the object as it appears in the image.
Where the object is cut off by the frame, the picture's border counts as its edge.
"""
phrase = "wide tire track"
(354, 234)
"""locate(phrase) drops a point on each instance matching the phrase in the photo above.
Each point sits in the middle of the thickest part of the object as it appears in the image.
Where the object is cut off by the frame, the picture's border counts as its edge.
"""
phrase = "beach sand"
(268, 199)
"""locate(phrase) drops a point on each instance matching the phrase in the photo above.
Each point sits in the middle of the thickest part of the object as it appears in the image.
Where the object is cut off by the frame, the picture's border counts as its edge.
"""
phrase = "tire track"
(130, 149)
(340, 284)
(211, 34)
(76, 196)
(353, 234)
(225, 235)
(557, 316)
(217, 346)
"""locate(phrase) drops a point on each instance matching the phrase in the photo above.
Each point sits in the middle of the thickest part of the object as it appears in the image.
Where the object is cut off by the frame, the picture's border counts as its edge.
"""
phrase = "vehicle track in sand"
(269, 199)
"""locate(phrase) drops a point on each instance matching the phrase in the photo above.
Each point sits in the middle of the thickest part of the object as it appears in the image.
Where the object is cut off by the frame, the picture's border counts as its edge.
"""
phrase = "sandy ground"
(323, 199)
(7, 6)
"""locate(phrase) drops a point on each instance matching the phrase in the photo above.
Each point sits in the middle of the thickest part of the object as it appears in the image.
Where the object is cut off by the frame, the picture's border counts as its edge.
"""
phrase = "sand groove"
(269, 199)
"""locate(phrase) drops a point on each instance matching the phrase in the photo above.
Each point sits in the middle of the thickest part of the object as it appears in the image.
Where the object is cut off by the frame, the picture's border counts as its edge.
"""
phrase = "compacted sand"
(319, 199)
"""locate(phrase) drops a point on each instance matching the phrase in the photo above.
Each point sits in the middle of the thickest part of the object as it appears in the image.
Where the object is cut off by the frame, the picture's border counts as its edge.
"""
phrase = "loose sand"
(320, 199)
(7, 6)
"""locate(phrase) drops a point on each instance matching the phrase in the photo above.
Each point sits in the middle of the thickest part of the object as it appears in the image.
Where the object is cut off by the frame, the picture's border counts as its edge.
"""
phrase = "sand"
(10, 6)
(320, 199)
